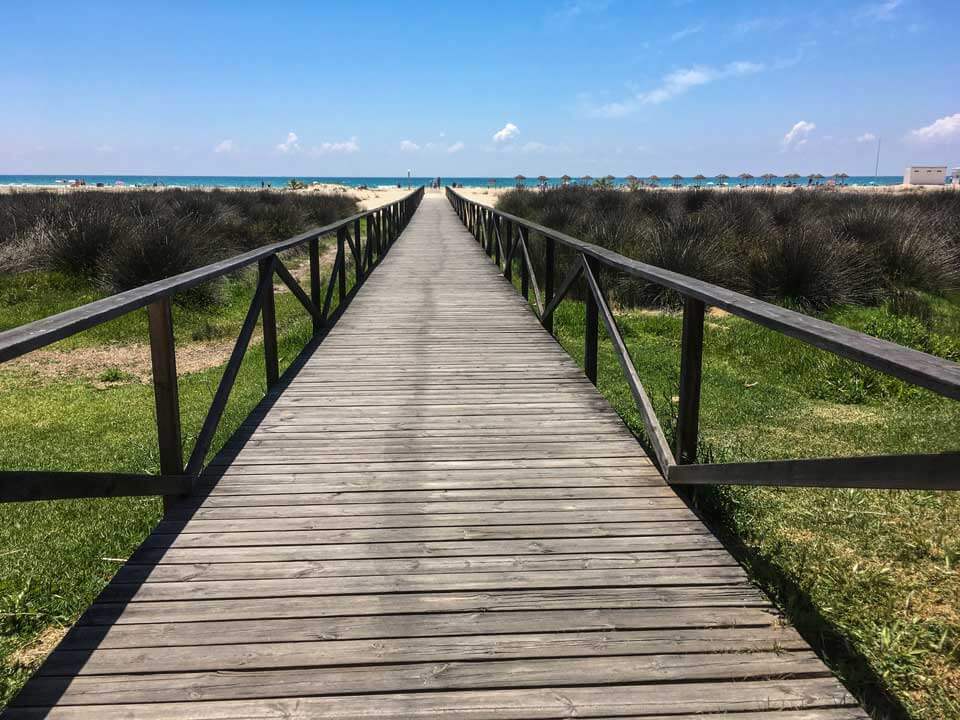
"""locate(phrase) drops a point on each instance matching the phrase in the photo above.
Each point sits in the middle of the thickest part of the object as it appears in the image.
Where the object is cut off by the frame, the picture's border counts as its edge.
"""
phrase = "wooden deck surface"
(437, 517)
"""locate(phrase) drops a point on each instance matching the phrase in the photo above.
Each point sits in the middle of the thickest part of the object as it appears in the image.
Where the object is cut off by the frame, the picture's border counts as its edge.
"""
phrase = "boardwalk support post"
(550, 261)
(590, 334)
(165, 391)
(691, 367)
(315, 281)
(268, 313)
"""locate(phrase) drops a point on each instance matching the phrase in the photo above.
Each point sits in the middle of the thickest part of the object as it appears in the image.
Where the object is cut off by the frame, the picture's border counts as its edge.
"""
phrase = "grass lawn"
(870, 577)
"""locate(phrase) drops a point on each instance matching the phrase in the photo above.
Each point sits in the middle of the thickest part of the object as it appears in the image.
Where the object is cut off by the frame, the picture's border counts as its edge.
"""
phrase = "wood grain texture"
(437, 516)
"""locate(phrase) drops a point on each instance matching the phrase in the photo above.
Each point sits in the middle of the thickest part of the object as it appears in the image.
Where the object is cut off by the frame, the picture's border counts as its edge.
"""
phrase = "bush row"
(125, 239)
(808, 249)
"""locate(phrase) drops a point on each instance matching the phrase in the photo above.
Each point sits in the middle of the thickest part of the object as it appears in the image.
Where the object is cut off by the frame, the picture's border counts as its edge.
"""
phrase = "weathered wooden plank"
(742, 595)
(542, 703)
(207, 571)
(664, 646)
(421, 549)
(488, 532)
(523, 580)
(759, 623)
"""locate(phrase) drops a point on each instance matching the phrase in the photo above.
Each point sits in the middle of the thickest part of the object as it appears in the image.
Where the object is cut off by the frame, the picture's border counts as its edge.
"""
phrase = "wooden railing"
(507, 238)
(382, 227)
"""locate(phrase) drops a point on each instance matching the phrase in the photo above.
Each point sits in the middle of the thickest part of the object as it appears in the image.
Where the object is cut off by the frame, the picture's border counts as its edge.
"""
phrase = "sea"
(274, 181)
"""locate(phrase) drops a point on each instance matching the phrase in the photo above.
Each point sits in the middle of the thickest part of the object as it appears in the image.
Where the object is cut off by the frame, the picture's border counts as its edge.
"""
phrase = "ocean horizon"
(277, 181)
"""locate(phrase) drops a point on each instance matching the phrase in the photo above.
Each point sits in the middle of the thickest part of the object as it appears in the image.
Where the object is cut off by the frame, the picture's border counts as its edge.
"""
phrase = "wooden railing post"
(590, 335)
(268, 314)
(508, 249)
(165, 391)
(359, 256)
(691, 368)
(550, 262)
(491, 239)
(498, 230)
(342, 268)
(315, 290)
(522, 237)
(370, 241)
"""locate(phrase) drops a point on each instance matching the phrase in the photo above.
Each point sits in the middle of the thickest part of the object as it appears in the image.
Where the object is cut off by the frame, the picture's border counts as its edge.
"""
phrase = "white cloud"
(507, 132)
(686, 32)
(343, 146)
(798, 134)
(456, 147)
(946, 128)
(881, 10)
(224, 146)
(677, 83)
(291, 144)
(866, 137)
(409, 146)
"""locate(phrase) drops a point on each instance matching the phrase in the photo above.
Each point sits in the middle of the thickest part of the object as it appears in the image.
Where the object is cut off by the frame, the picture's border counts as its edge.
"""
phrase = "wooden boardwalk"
(438, 516)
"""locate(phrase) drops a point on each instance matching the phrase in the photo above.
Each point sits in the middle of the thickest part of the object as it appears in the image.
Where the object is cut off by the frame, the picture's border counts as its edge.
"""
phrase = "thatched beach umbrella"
(542, 182)
(586, 180)
(633, 182)
(565, 180)
(654, 180)
(698, 179)
(743, 177)
(792, 177)
(677, 180)
(722, 179)
(520, 181)
(768, 178)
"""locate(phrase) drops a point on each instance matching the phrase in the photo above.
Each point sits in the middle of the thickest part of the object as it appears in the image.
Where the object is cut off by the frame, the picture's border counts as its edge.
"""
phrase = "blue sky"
(476, 89)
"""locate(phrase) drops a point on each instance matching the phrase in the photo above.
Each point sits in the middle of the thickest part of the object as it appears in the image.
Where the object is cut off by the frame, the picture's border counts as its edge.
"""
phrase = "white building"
(925, 175)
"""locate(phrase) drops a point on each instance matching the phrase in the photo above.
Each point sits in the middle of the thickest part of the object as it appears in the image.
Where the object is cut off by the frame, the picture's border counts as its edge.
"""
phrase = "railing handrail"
(934, 373)
(39, 333)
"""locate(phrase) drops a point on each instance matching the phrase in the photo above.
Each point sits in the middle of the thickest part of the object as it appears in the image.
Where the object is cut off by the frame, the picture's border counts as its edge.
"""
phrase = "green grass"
(870, 577)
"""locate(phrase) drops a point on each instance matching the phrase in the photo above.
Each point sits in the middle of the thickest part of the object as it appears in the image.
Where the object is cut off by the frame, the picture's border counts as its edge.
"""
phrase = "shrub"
(811, 249)
(812, 267)
(123, 240)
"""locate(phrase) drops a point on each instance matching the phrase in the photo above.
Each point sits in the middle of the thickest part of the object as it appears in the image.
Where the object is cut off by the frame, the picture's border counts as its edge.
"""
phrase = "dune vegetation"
(121, 240)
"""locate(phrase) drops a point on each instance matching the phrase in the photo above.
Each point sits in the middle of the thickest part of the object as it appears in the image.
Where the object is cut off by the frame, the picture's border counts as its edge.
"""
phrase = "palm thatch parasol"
(586, 180)
(520, 181)
(565, 180)
(677, 180)
(654, 180)
(542, 182)
(768, 178)
(698, 178)
(722, 179)
(633, 182)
